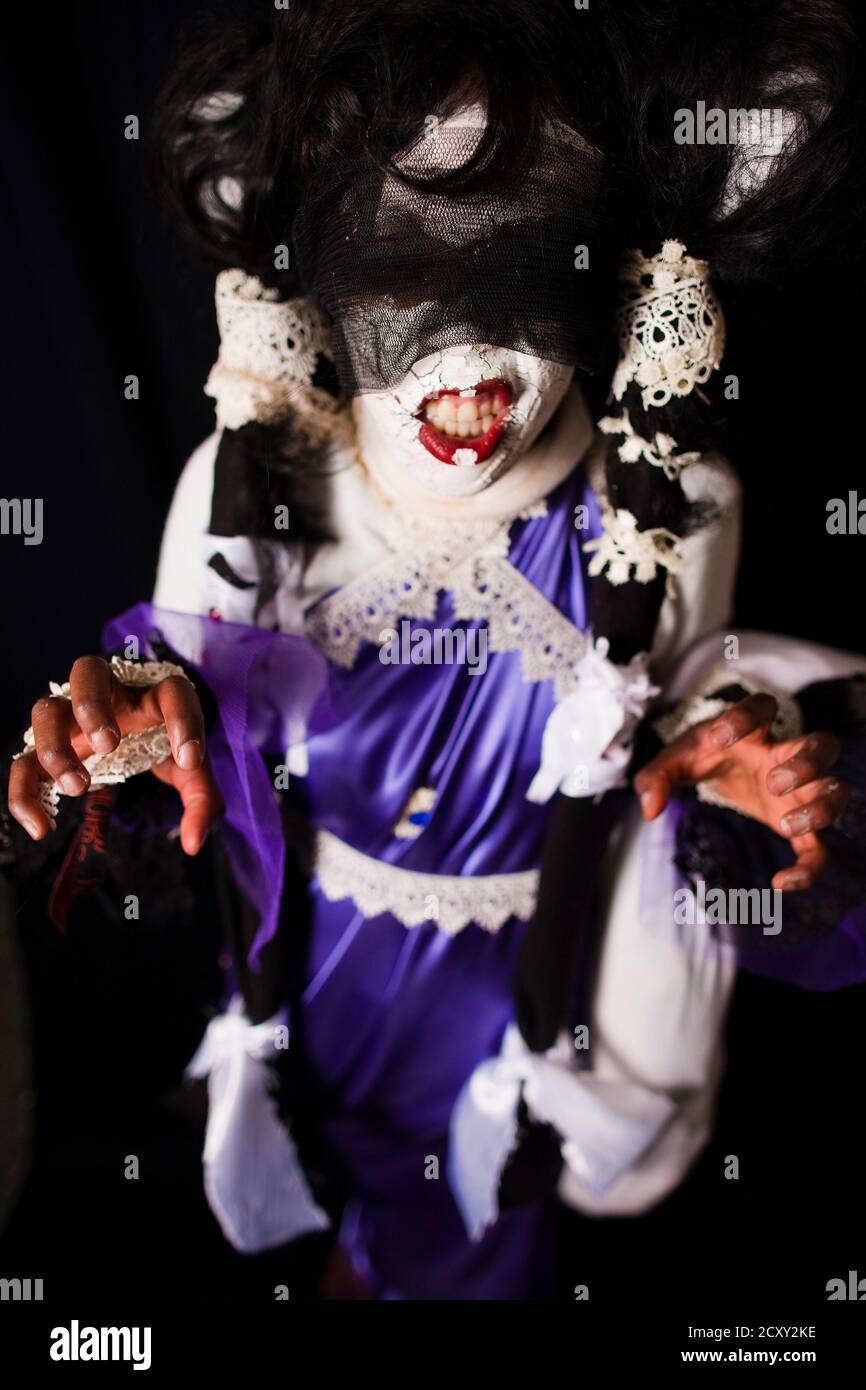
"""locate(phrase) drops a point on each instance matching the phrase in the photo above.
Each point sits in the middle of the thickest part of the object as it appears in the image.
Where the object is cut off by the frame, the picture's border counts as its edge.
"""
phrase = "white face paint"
(435, 432)
(397, 434)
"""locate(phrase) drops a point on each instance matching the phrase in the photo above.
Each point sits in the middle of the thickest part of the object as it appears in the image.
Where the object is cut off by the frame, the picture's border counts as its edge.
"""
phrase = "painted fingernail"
(722, 736)
(646, 800)
(794, 880)
(781, 780)
(104, 740)
(189, 754)
(32, 829)
(797, 823)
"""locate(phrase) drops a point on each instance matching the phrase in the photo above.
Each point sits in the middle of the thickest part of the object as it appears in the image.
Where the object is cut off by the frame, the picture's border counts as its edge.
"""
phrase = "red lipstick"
(478, 420)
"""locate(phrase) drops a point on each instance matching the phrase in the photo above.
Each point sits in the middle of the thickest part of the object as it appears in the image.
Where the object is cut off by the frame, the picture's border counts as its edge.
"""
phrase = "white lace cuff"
(703, 703)
(134, 753)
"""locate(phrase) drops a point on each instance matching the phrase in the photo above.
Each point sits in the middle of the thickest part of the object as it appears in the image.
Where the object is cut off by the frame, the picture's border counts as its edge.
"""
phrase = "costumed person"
(460, 655)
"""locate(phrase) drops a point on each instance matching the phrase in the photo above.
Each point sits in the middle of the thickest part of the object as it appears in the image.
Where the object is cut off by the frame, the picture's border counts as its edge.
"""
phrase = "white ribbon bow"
(252, 1174)
(586, 745)
(604, 1126)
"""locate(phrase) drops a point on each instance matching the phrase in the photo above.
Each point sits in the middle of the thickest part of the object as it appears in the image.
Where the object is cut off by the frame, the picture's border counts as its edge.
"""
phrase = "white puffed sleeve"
(181, 577)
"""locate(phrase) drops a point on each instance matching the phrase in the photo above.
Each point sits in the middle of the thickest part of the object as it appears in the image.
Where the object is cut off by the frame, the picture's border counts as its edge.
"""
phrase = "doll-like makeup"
(506, 398)
(457, 320)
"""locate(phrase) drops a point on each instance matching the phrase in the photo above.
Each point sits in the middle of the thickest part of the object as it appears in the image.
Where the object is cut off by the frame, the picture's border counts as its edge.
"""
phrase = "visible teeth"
(463, 416)
(465, 458)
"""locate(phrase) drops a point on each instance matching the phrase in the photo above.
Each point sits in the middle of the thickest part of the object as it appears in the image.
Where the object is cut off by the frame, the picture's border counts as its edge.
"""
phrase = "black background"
(97, 285)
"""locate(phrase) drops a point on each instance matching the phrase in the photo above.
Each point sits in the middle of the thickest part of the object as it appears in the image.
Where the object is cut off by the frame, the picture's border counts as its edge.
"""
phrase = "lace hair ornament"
(270, 351)
(135, 753)
(623, 552)
(660, 451)
(622, 548)
(586, 745)
(671, 327)
(705, 703)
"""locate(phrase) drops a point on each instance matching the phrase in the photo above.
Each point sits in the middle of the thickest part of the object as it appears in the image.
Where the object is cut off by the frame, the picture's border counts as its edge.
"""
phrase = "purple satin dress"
(392, 1019)
(395, 1019)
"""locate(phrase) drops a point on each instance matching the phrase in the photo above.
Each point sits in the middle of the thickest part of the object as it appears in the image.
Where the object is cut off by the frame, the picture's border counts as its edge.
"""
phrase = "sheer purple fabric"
(265, 686)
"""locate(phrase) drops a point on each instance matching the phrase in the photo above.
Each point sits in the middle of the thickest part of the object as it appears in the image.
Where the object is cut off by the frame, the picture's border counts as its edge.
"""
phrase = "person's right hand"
(98, 713)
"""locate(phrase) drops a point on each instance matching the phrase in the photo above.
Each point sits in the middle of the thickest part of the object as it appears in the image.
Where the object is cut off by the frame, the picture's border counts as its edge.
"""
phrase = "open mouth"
(464, 427)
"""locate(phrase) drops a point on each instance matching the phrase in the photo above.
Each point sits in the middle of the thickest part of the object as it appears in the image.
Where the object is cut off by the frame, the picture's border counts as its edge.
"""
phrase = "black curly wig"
(264, 98)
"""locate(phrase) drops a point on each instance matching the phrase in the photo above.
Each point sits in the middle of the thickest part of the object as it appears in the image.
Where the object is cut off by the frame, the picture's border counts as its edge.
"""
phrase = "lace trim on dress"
(449, 901)
(405, 585)
(485, 587)
(671, 327)
(519, 618)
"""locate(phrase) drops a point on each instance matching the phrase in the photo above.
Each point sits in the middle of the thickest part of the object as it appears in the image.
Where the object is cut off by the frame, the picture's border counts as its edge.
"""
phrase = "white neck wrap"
(535, 475)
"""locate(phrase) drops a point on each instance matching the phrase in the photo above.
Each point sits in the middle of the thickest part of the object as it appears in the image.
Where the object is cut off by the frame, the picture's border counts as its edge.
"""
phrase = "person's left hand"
(781, 784)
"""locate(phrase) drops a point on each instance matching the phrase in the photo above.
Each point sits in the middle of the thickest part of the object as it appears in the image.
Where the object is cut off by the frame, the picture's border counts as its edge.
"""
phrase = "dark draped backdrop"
(98, 287)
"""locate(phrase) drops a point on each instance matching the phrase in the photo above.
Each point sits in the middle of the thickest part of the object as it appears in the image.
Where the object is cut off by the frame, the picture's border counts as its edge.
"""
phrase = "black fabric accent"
(727, 850)
(221, 566)
(549, 947)
(624, 613)
(264, 989)
(838, 706)
(533, 1167)
(562, 927)
(116, 965)
(732, 693)
(261, 467)
(325, 377)
(280, 964)
(244, 495)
